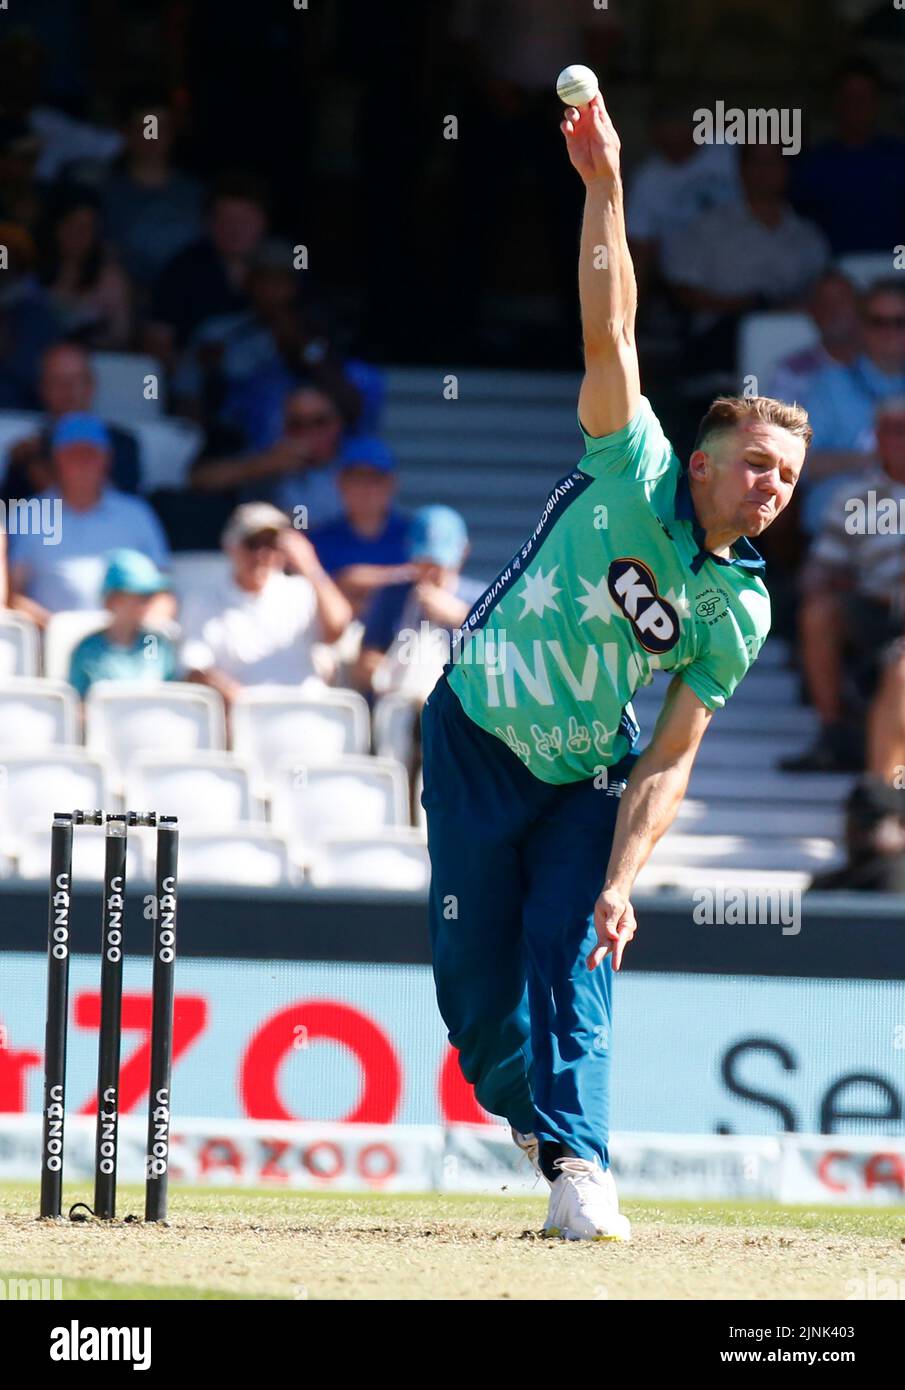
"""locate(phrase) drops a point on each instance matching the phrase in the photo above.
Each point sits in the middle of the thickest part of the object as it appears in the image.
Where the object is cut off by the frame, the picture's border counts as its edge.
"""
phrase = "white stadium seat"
(125, 718)
(88, 853)
(420, 813)
(765, 339)
(251, 855)
(202, 789)
(271, 722)
(20, 645)
(16, 425)
(34, 785)
(120, 386)
(713, 851)
(395, 859)
(354, 794)
(62, 635)
(394, 727)
(166, 449)
(194, 571)
(36, 713)
(863, 268)
(690, 879)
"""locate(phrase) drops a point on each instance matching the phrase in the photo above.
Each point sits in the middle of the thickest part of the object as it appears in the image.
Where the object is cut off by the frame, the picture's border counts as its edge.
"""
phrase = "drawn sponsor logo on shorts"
(633, 589)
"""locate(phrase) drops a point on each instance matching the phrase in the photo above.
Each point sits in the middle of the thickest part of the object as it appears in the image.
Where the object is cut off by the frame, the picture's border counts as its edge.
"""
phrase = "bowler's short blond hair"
(728, 412)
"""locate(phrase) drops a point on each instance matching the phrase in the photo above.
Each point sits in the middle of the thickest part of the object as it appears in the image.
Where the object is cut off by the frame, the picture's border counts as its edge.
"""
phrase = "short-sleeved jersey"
(613, 583)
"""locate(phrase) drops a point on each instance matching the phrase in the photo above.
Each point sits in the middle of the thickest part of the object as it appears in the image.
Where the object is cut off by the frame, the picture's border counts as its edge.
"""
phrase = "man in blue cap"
(128, 648)
(408, 627)
(367, 547)
(64, 568)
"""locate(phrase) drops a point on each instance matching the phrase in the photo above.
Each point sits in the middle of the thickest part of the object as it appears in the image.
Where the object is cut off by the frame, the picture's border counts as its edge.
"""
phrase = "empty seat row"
(125, 719)
(244, 856)
(211, 790)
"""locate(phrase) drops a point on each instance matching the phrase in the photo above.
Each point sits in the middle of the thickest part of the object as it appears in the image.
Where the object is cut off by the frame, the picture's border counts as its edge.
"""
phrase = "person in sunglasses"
(298, 472)
(842, 401)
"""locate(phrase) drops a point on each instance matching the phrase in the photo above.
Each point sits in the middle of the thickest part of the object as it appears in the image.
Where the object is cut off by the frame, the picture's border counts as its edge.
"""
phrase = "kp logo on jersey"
(634, 590)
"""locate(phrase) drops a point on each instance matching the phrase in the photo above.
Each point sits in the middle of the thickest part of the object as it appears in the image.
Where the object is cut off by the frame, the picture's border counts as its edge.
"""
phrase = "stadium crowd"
(115, 254)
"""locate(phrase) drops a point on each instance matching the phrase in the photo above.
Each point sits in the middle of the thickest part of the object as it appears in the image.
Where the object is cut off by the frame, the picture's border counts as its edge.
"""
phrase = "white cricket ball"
(577, 85)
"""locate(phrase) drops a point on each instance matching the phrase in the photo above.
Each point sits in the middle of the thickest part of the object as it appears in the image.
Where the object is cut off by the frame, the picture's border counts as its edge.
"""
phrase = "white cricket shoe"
(583, 1203)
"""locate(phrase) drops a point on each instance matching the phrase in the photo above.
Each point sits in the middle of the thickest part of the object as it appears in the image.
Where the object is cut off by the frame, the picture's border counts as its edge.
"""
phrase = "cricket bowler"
(540, 811)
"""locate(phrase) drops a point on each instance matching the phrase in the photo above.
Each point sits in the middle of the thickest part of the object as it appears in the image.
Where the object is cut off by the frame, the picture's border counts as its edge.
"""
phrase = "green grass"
(103, 1290)
(227, 1243)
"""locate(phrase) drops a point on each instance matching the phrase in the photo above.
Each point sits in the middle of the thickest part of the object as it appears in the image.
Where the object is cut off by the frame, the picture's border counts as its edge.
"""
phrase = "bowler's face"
(751, 475)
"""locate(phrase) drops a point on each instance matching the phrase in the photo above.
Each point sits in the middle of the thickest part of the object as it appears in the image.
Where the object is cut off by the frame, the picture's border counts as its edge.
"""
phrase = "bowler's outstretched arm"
(610, 392)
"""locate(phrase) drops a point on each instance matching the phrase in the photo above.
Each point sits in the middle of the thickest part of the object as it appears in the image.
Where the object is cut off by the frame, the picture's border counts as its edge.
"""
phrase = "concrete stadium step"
(802, 855)
(744, 718)
(741, 754)
(415, 383)
(767, 684)
(760, 820)
(768, 787)
(666, 877)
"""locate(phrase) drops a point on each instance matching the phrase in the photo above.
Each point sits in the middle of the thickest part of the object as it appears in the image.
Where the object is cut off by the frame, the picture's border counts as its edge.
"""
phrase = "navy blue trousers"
(516, 867)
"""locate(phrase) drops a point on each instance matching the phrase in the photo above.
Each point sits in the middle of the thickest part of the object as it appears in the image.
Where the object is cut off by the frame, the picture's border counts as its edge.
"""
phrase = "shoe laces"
(578, 1169)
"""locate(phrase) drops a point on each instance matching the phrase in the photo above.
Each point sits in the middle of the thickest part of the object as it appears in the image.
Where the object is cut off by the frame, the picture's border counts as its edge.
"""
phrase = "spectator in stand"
(833, 305)
(61, 564)
(277, 339)
(152, 211)
(853, 603)
(64, 140)
(874, 840)
(263, 627)
(408, 627)
(675, 186)
(853, 186)
(85, 283)
(20, 194)
(66, 387)
(842, 400)
(128, 648)
(367, 546)
(298, 471)
(209, 277)
(753, 254)
(28, 321)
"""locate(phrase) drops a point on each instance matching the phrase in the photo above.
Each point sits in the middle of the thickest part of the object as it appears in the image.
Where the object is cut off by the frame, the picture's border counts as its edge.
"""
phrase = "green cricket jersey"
(612, 583)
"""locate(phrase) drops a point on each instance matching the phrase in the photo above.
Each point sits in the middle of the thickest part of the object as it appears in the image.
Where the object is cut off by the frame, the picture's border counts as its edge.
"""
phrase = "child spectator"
(126, 649)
